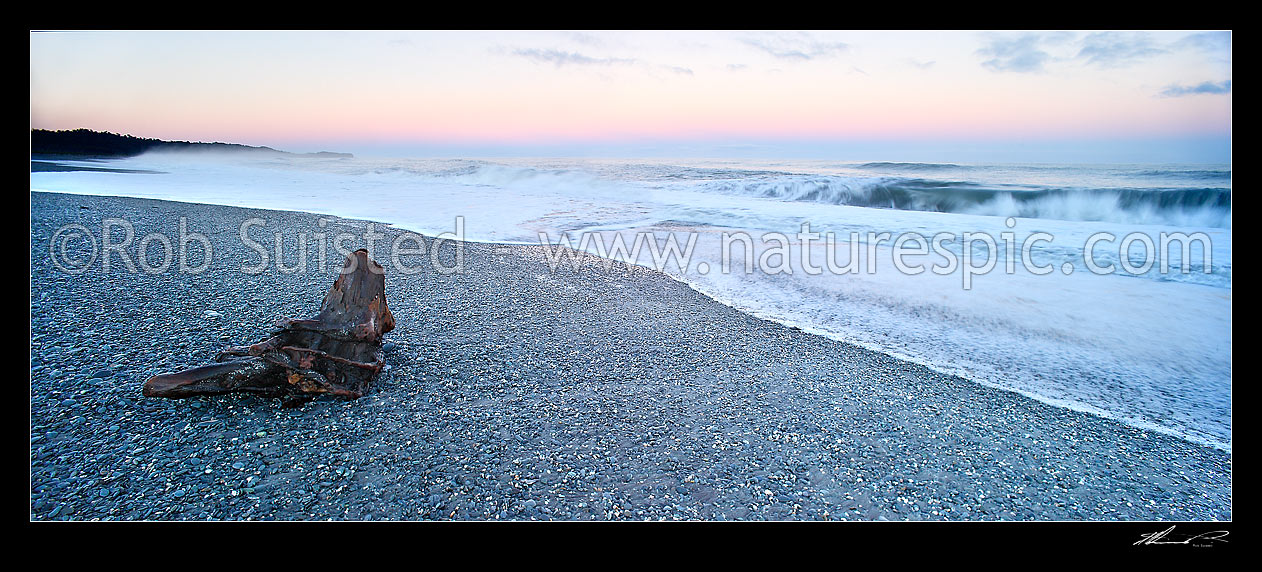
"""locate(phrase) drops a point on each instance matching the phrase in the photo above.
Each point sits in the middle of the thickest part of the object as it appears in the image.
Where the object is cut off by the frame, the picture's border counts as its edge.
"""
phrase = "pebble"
(507, 379)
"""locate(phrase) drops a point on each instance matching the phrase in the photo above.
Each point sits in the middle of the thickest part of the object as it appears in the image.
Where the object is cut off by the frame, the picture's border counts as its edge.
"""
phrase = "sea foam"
(1152, 348)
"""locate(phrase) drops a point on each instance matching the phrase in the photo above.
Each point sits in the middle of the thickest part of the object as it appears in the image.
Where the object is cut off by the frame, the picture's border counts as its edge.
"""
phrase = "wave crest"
(1196, 207)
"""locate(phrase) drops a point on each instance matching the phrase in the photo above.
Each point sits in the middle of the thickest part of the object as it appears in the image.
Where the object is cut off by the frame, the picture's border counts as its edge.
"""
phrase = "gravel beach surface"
(518, 393)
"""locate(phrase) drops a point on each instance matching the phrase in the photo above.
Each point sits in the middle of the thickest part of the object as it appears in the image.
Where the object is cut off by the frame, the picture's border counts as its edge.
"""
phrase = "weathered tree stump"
(338, 352)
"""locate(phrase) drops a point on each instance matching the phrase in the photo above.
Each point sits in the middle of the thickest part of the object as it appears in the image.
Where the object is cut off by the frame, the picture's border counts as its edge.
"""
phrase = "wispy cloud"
(796, 47)
(920, 64)
(678, 70)
(1214, 45)
(1116, 49)
(736, 67)
(586, 39)
(1022, 54)
(1213, 42)
(562, 58)
(1209, 87)
(1034, 52)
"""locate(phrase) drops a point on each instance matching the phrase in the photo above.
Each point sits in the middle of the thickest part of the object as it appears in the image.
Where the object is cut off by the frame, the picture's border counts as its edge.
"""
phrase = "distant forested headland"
(104, 144)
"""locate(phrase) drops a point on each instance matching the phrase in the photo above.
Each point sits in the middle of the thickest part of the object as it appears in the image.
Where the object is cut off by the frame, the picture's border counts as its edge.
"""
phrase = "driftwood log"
(338, 352)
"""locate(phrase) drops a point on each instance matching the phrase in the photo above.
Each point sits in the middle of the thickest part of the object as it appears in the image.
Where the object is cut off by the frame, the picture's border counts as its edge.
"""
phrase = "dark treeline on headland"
(103, 144)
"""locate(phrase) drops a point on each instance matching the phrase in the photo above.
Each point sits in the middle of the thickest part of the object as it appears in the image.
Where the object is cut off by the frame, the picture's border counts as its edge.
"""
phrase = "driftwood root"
(337, 353)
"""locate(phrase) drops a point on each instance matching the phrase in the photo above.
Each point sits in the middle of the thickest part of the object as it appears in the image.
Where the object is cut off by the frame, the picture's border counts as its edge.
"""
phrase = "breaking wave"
(1195, 206)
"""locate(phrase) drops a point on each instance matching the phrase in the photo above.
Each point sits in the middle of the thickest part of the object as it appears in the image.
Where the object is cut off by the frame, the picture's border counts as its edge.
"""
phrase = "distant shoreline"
(88, 144)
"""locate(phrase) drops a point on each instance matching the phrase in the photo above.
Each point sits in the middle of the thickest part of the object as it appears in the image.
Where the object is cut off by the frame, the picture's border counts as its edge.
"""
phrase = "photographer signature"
(1164, 537)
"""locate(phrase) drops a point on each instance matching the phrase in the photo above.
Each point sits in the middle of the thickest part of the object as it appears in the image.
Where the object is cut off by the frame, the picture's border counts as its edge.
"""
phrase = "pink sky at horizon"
(522, 88)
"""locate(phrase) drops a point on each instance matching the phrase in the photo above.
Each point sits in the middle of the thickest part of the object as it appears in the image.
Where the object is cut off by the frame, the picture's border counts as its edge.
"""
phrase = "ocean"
(1102, 288)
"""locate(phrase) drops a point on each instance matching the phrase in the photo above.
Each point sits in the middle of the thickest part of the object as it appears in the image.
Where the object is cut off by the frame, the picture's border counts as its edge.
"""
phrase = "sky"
(1082, 96)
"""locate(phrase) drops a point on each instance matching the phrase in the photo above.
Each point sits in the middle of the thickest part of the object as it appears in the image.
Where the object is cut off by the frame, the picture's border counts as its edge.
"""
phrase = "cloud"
(1022, 54)
(797, 47)
(1209, 87)
(1116, 49)
(737, 67)
(586, 39)
(1216, 46)
(1213, 42)
(1032, 52)
(560, 58)
(920, 64)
